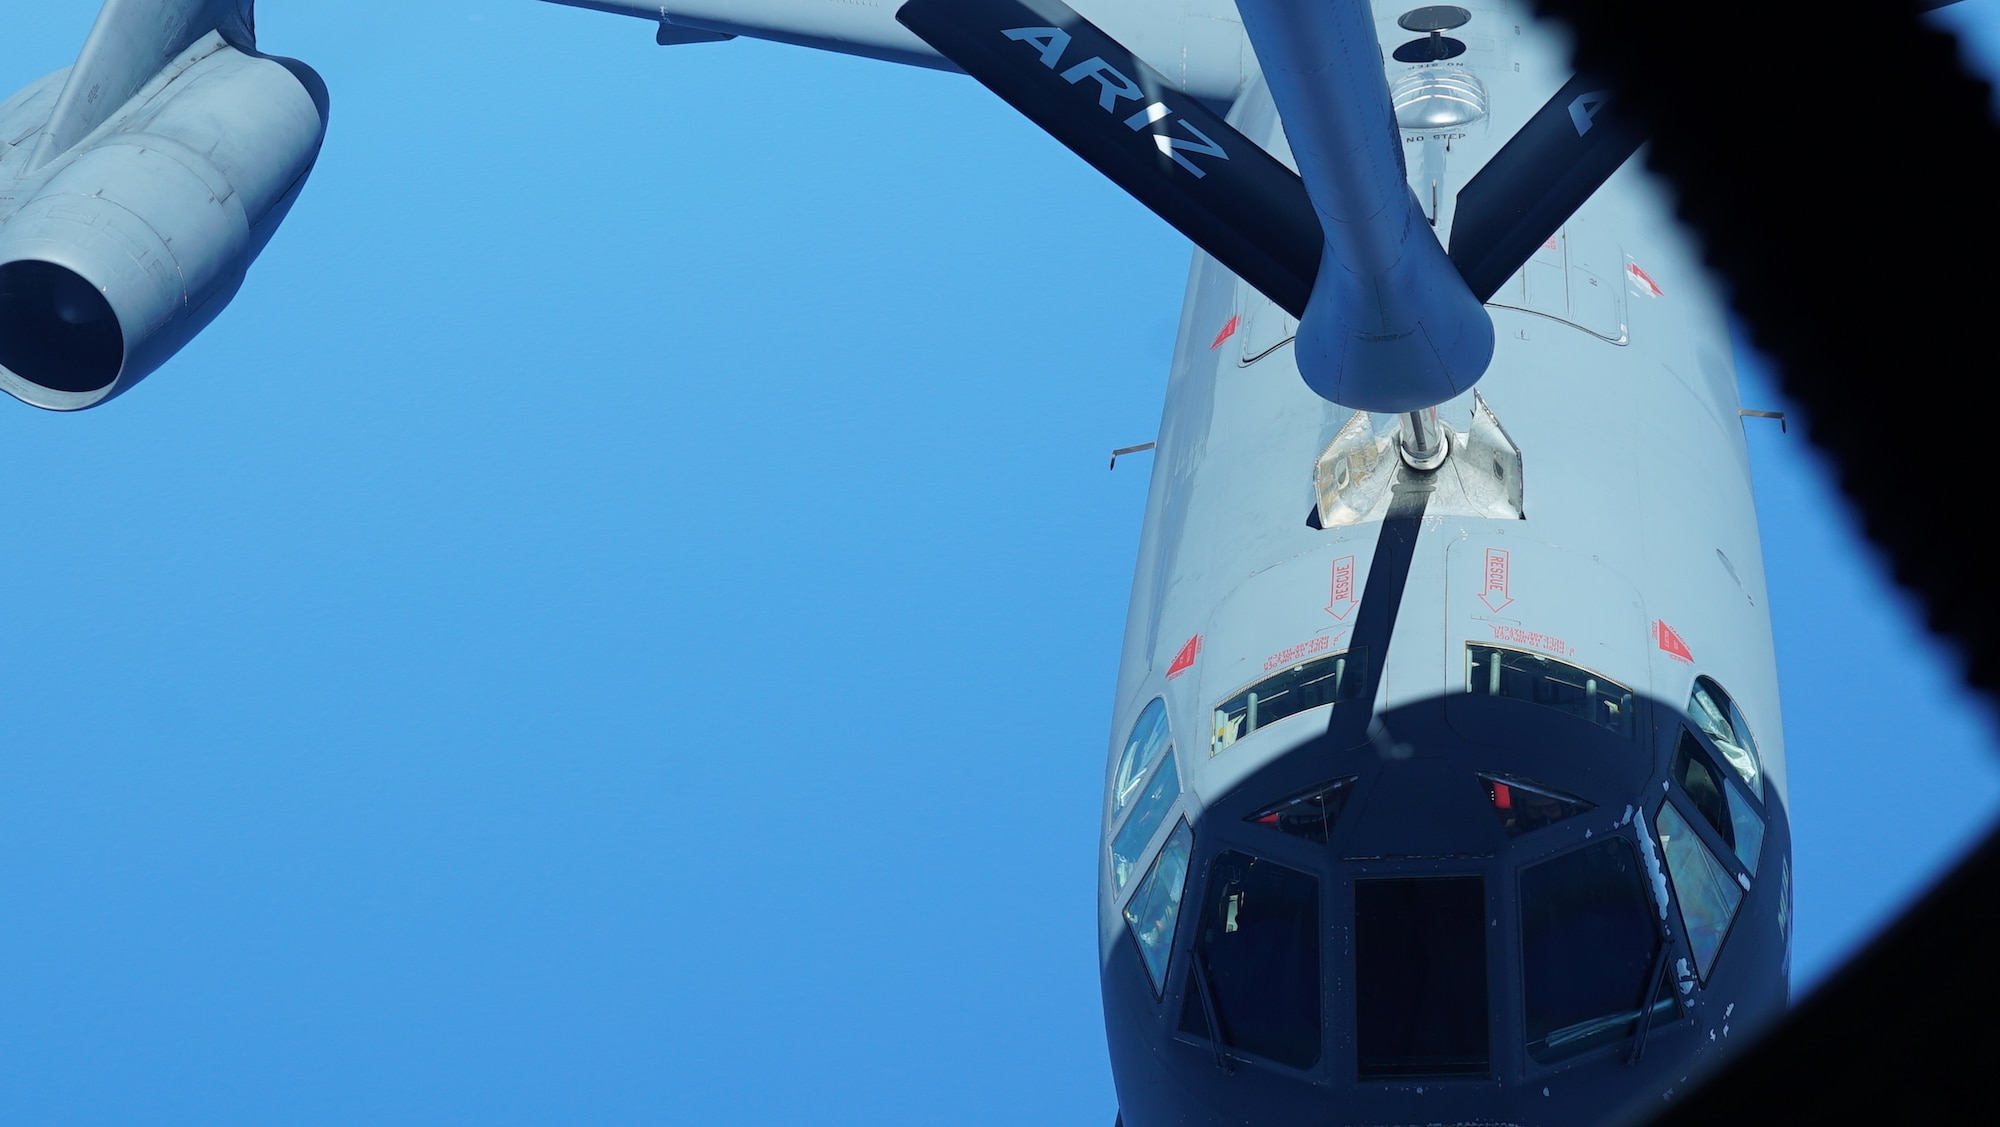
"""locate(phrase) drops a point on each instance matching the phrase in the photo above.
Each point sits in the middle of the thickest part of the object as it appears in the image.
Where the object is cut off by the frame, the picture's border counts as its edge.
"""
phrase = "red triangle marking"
(1184, 660)
(1671, 644)
(1228, 331)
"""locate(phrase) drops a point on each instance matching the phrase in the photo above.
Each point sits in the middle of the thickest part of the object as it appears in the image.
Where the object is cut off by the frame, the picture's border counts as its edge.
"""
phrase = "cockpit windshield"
(1520, 675)
(1257, 961)
(1717, 715)
(1588, 944)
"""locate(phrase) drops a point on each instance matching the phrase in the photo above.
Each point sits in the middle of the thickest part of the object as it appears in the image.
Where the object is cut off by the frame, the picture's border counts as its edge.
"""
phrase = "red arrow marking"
(1671, 644)
(1496, 596)
(1342, 603)
(1184, 660)
(1228, 331)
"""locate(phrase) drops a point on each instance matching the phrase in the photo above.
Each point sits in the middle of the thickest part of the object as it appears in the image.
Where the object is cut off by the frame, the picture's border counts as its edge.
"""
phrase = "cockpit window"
(1524, 806)
(1326, 680)
(1703, 787)
(1587, 946)
(1718, 716)
(1147, 814)
(1520, 675)
(1749, 830)
(1708, 895)
(1156, 906)
(1310, 815)
(1420, 977)
(1257, 960)
(1719, 802)
(1148, 739)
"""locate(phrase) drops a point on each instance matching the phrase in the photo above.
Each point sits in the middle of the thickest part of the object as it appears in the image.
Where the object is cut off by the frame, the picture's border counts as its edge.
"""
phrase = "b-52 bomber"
(1446, 780)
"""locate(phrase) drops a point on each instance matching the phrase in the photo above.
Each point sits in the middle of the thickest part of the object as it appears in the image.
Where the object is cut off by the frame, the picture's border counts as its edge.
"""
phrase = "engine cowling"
(133, 241)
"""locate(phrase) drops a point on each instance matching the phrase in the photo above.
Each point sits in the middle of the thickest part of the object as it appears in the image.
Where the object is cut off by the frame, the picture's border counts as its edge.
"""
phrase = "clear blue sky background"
(617, 623)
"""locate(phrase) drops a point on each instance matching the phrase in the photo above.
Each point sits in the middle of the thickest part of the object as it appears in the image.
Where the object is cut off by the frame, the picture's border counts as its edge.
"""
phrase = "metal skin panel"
(1511, 206)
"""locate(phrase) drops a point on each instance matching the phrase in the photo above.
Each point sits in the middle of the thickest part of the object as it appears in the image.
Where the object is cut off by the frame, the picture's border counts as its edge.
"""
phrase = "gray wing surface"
(1196, 44)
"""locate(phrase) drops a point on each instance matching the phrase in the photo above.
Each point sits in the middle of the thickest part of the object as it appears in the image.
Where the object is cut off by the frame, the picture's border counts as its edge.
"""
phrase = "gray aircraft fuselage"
(1635, 561)
(1434, 795)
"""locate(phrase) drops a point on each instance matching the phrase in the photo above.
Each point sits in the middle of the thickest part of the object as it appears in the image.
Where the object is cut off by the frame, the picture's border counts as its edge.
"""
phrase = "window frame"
(1323, 951)
(1148, 849)
(1161, 989)
(1115, 815)
(1722, 851)
(1664, 945)
(1732, 713)
(1242, 690)
(1733, 787)
(1633, 698)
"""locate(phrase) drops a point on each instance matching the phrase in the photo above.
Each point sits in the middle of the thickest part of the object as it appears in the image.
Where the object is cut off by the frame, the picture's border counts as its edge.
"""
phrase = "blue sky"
(617, 622)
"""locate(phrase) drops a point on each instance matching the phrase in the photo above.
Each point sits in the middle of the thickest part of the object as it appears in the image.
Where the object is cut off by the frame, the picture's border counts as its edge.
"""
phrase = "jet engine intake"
(131, 242)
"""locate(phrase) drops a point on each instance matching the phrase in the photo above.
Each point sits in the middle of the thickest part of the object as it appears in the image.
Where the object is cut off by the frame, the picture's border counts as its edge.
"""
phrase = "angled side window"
(1749, 830)
(1156, 907)
(1148, 740)
(1719, 800)
(1519, 675)
(1708, 895)
(1147, 813)
(1718, 716)
(1704, 787)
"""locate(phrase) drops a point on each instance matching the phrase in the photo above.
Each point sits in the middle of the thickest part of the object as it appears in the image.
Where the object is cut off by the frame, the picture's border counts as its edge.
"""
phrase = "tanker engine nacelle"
(115, 252)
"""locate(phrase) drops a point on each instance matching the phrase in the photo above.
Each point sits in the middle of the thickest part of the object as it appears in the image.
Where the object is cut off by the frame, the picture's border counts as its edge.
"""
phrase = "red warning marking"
(1342, 603)
(1228, 331)
(1184, 660)
(1642, 281)
(1671, 644)
(1503, 796)
(1499, 567)
(1551, 244)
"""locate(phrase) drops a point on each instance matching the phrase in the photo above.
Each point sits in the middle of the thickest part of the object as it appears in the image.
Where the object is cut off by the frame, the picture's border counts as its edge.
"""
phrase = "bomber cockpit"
(1545, 894)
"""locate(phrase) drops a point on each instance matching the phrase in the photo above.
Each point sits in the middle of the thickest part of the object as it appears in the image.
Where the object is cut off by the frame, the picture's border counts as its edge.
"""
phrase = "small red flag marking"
(1643, 282)
(1184, 660)
(1671, 644)
(1228, 331)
